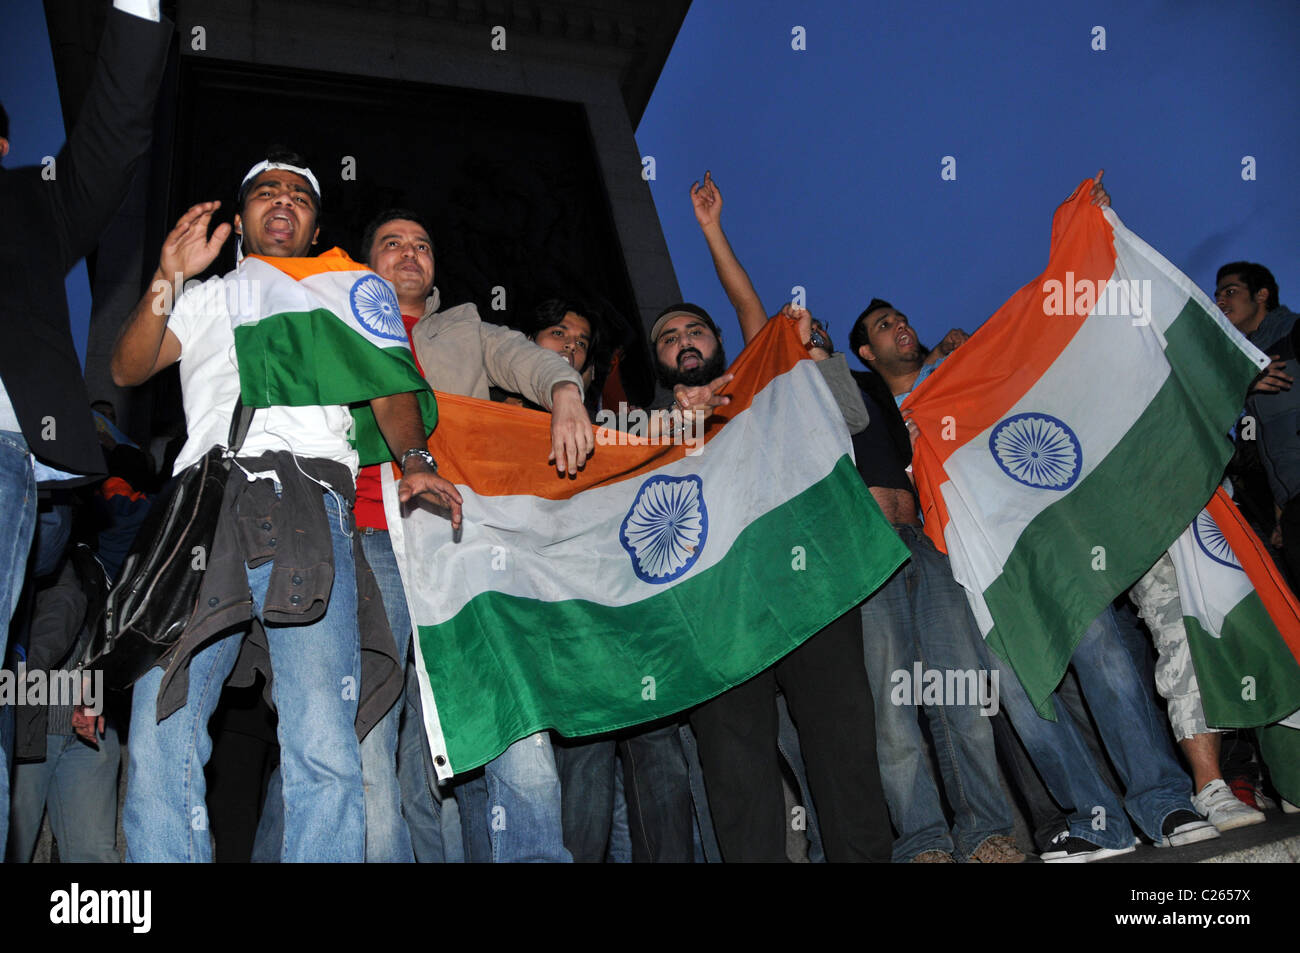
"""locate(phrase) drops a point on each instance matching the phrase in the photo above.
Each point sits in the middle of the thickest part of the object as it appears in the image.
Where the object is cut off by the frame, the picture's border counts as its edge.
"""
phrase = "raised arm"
(707, 201)
(144, 344)
(93, 170)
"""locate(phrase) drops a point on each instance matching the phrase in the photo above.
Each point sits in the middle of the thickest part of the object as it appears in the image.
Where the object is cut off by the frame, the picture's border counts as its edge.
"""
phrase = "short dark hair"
(858, 334)
(552, 311)
(287, 157)
(4, 122)
(1254, 277)
(382, 219)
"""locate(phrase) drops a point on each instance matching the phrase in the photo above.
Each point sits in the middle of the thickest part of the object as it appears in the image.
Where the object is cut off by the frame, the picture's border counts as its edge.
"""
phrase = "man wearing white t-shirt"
(305, 470)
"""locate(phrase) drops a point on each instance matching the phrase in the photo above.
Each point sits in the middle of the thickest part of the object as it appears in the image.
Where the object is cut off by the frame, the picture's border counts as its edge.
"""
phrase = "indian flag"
(1243, 629)
(324, 331)
(657, 579)
(1070, 441)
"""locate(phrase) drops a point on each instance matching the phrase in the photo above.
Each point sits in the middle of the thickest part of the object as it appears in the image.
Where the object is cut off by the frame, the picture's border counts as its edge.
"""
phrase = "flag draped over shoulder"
(1070, 441)
(320, 332)
(654, 581)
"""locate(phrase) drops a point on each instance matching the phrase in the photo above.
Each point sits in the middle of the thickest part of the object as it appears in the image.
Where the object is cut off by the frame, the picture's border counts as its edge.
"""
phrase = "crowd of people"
(241, 744)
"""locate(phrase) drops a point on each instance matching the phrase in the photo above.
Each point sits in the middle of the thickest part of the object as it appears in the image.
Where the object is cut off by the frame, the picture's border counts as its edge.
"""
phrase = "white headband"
(268, 164)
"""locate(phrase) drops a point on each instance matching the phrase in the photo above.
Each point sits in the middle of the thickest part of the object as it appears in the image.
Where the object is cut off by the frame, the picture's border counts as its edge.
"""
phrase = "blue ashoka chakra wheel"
(375, 306)
(665, 530)
(1037, 450)
(1213, 543)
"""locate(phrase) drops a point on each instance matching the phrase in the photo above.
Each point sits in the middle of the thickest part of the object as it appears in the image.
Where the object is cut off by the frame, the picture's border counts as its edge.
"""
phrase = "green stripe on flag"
(1279, 747)
(1134, 504)
(1250, 648)
(784, 579)
(312, 359)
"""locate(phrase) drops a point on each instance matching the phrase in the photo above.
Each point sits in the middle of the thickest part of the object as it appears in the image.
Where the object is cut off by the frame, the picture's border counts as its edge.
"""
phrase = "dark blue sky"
(829, 159)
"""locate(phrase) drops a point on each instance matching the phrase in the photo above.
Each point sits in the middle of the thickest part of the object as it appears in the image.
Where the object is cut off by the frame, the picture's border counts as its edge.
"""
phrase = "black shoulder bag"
(153, 599)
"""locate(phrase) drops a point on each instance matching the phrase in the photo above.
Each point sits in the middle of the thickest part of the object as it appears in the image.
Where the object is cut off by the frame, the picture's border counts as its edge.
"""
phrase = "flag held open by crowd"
(1062, 450)
(652, 582)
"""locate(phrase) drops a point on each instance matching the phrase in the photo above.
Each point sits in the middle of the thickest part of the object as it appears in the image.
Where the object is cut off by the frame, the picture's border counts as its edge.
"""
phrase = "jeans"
(656, 786)
(388, 840)
(586, 796)
(433, 823)
(921, 615)
(403, 813)
(708, 849)
(512, 814)
(1136, 738)
(320, 762)
(18, 504)
(620, 837)
(787, 741)
(78, 785)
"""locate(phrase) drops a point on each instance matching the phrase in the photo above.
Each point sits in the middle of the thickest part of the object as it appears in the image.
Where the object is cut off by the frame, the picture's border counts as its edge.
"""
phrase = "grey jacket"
(462, 354)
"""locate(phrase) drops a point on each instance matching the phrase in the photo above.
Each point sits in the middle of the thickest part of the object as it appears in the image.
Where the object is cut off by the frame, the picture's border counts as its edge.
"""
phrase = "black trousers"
(825, 685)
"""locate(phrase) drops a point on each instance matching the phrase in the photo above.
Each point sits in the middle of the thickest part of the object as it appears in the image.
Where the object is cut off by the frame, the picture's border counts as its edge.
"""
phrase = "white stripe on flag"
(794, 453)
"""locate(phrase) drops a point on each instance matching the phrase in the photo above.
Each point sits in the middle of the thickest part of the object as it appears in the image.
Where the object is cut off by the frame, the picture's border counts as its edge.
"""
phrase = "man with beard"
(824, 681)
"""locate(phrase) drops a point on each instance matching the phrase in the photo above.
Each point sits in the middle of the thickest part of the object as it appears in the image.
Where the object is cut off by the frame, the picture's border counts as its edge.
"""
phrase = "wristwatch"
(820, 339)
(423, 454)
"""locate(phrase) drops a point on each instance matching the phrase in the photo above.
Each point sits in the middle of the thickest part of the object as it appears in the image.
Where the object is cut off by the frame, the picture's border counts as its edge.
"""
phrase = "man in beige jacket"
(513, 812)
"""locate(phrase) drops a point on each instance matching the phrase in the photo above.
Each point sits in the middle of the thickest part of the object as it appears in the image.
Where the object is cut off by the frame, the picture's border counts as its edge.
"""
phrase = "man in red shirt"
(459, 353)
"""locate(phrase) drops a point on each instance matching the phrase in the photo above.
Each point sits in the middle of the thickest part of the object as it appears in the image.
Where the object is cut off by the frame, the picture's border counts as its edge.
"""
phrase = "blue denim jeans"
(587, 795)
(1135, 734)
(388, 840)
(433, 822)
(707, 849)
(657, 793)
(620, 835)
(320, 762)
(429, 829)
(921, 615)
(512, 814)
(18, 504)
(77, 784)
(787, 742)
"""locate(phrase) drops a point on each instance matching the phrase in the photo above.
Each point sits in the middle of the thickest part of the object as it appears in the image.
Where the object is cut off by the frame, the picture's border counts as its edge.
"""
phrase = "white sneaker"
(1289, 808)
(1223, 809)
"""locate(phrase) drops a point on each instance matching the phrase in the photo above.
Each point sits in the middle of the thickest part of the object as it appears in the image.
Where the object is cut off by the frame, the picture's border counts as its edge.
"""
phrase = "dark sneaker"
(1185, 827)
(1065, 849)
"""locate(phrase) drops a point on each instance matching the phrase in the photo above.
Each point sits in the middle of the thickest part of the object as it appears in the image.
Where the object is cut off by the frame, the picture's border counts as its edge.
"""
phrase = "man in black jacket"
(53, 216)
